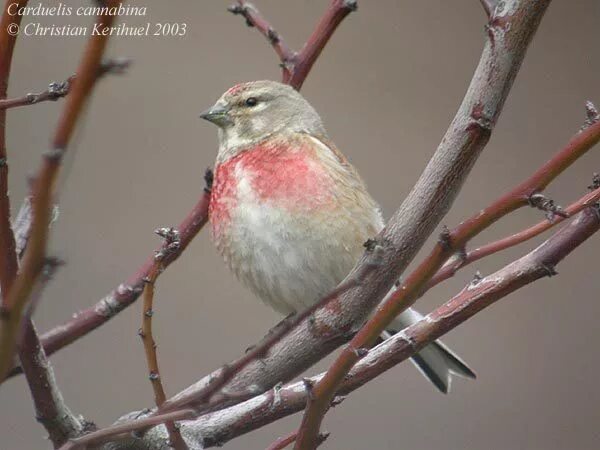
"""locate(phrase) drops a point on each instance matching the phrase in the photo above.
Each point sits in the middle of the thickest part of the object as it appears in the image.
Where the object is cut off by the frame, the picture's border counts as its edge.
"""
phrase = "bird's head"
(249, 113)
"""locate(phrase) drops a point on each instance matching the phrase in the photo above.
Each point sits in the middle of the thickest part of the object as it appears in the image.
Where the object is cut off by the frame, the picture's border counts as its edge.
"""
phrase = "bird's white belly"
(289, 262)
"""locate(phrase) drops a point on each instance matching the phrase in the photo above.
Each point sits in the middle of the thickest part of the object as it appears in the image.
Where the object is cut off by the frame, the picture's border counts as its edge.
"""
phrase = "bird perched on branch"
(289, 213)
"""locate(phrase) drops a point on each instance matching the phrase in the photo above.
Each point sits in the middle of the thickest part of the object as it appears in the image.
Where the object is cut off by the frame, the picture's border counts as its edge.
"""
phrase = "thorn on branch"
(595, 182)
(208, 180)
(445, 239)
(543, 203)
(51, 265)
(242, 10)
(591, 115)
(54, 155)
(481, 118)
(360, 352)
(114, 66)
(55, 91)
(322, 437)
(476, 278)
(550, 270)
(273, 36)
(308, 385)
(351, 5)
(337, 400)
(153, 376)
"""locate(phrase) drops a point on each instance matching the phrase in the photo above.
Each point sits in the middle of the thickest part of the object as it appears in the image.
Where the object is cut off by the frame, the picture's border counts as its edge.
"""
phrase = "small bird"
(289, 213)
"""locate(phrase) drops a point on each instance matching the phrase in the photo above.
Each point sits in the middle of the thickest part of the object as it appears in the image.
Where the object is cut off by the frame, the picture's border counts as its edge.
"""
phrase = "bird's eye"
(251, 101)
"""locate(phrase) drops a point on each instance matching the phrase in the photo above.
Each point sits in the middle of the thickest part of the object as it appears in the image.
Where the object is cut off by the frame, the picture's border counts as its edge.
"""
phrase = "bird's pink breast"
(289, 177)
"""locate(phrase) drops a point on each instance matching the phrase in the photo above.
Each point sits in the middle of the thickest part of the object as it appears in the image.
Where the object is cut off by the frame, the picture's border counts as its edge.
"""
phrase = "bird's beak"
(217, 114)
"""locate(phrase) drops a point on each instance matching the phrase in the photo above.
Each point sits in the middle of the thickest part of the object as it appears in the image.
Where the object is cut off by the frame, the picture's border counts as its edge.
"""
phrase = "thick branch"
(50, 408)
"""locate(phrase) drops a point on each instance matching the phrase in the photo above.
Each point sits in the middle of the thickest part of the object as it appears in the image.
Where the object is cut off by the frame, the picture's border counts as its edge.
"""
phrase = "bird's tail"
(436, 361)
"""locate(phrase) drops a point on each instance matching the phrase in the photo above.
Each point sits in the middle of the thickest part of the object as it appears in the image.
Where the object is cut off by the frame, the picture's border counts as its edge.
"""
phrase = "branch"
(171, 244)
(305, 59)
(332, 322)
(462, 260)
(283, 442)
(296, 65)
(215, 429)
(50, 408)
(255, 19)
(52, 93)
(33, 259)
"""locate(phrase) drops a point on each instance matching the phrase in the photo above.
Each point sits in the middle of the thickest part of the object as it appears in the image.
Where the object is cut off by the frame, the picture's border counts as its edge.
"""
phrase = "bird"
(290, 214)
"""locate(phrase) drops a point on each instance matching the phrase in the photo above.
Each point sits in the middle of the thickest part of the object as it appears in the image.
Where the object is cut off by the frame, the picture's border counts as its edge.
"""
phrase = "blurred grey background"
(387, 86)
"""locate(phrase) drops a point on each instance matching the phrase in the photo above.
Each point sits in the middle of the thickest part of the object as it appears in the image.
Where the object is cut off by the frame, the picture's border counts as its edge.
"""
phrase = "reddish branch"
(463, 259)
(8, 255)
(171, 243)
(255, 19)
(283, 442)
(450, 242)
(296, 65)
(33, 259)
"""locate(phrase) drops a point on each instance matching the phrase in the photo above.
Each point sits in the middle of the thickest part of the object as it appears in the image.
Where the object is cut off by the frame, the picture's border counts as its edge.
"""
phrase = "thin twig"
(295, 66)
(305, 59)
(283, 442)
(449, 243)
(52, 93)
(255, 19)
(35, 253)
(462, 260)
(172, 242)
